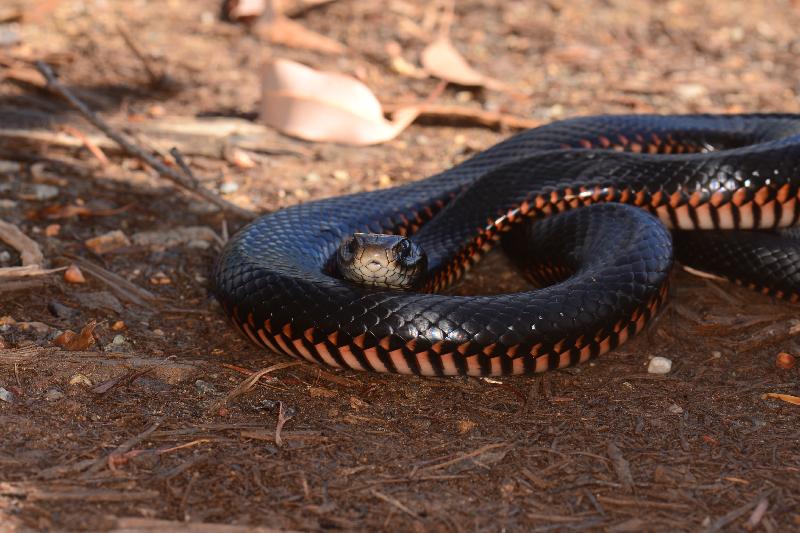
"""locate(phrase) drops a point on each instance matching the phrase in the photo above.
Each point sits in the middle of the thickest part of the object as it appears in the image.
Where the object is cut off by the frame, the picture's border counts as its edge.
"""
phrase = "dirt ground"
(144, 430)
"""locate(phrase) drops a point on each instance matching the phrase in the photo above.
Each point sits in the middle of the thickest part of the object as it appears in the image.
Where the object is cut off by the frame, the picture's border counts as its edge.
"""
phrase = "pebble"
(228, 187)
(5, 257)
(59, 310)
(785, 361)
(118, 340)
(204, 387)
(6, 395)
(690, 91)
(53, 394)
(80, 379)
(7, 204)
(341, 175)
(43, 192)
(107, 242)
(73, 274)
(675, 409)
(312, 177)
(659, 365)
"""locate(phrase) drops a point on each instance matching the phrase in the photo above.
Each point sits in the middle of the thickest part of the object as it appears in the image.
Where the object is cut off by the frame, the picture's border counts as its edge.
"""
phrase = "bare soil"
(138, 432)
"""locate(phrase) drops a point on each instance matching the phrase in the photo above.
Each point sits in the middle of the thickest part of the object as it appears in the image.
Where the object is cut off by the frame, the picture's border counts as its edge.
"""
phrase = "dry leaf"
(243, 9)
(784, 397)
(57, 211)
(441, 59)
(326, 106)
(77, 341)
(284, 31)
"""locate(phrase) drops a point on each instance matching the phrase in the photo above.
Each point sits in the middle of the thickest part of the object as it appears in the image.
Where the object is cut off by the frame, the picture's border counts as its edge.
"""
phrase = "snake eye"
(403, 248)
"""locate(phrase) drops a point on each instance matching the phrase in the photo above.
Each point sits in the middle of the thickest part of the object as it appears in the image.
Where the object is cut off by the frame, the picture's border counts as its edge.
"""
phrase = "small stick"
(187, 182)
(156, 78)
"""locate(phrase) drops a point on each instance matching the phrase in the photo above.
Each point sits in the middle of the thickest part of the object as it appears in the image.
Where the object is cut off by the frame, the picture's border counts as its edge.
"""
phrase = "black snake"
(604, 267)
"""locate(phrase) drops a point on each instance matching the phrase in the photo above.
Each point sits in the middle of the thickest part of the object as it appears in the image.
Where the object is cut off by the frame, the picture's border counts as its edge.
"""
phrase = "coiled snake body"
(605, 266)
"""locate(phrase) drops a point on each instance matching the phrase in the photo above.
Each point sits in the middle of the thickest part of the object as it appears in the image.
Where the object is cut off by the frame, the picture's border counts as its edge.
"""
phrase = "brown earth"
(130, 432)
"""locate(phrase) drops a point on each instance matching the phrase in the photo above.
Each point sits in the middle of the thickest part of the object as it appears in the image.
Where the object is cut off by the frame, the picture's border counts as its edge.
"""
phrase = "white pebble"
(659, 365)
(675, 409)
(228, 187)
(53, 394)
(45, 192)
(6, 395)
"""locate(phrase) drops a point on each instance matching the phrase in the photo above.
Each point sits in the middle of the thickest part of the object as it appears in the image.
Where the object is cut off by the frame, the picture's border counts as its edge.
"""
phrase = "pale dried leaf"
(326, 106)
(29, 252)
(245, 9)
(441, 59)
(788, 398)
(284, 31)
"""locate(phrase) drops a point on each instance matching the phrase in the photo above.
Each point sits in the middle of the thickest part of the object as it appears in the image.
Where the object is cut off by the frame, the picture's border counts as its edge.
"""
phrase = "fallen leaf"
(57, 211)
(243, 10)
(77, 341)
(284, 31)
(441, 59)
(326, 106)
(784, 397)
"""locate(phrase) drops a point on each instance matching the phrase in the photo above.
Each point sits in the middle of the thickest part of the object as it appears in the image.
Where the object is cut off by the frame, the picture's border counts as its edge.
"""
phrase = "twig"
(157, 79)
(394, 501)
(249, 383)
(96, 151)
(468, 115)
(124, 447)
(187, 182)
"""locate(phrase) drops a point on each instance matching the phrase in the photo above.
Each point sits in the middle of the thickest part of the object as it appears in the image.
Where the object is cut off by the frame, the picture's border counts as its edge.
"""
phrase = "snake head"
(379, 260)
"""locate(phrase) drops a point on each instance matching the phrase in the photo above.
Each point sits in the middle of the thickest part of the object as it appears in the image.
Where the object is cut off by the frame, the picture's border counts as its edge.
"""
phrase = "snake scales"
(604, 261)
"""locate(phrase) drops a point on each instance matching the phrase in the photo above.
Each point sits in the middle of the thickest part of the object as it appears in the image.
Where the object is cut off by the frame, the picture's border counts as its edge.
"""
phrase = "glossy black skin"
(279, 268)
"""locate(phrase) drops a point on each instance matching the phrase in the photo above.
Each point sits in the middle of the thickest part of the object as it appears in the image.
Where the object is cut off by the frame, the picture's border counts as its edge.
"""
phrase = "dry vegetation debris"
(129, 404)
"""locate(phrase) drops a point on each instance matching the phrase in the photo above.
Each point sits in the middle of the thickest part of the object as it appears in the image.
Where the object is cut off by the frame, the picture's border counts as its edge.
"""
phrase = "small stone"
(465, 426)
(159, 332)
(9, 167)
(312, 177)
(690, 91)
(204, 387)
(659, 365)
(6, 204)
(228, 187)
(119, 325)
(463, 97)
(59, 310)
(159, 278)
(113, 240)
(785, 361)
(43, 192)
(80, 379)
(675, 409)
(241, 159)
(6, 395)
(341, 175)
(73, 274)
(5, 257)
(118, 340)
(53, 394)
(52, 230)
(716, 354)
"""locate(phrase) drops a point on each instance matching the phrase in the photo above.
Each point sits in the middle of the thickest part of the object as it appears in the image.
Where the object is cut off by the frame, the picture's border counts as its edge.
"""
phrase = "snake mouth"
(379, 260)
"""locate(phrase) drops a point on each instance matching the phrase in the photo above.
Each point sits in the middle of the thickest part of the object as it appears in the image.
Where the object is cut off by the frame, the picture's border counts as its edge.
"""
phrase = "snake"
(592, 209)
